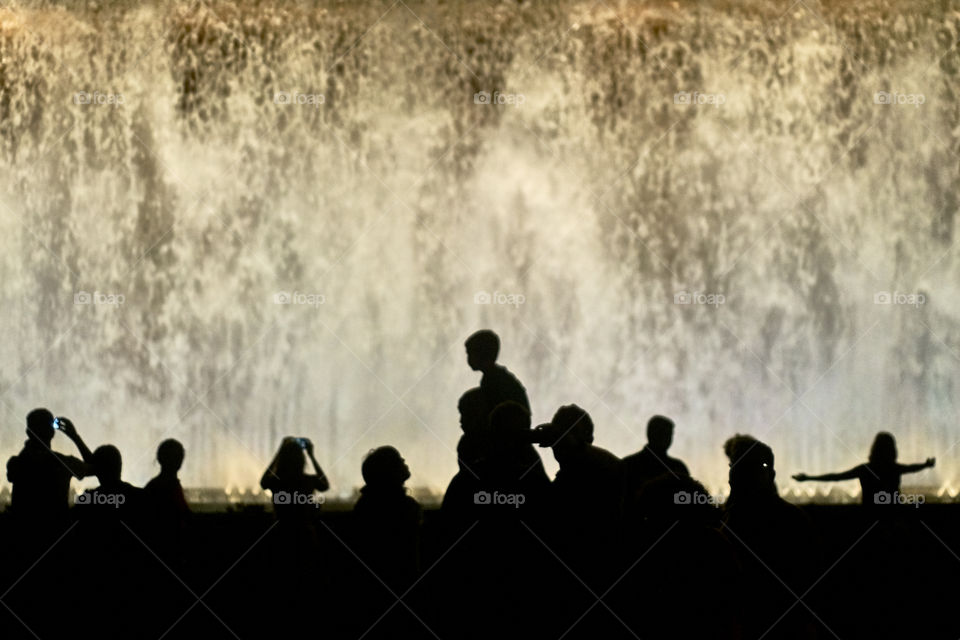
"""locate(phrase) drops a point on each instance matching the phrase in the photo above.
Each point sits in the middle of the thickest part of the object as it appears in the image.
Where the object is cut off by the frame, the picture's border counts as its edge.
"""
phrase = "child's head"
(170, 455)
(483, 347)
(384, 467)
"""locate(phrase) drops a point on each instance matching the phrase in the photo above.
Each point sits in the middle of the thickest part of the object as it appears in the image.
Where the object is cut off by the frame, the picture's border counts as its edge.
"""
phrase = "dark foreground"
(241, 577)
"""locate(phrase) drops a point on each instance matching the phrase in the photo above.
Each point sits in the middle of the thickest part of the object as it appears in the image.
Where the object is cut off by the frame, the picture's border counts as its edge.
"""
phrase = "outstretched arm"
(849, 474)
(920, 466)
(322, 484)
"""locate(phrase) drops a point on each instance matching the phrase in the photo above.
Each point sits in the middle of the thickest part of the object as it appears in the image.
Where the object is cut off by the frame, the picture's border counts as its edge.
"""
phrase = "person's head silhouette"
(483, 347)
(571, 432)
(751, 465)
(40, 426)
(290, 461)
(884, 450)
(384, 467)
(108, 464)
(473, 411)
(170, 456)
(660, 433)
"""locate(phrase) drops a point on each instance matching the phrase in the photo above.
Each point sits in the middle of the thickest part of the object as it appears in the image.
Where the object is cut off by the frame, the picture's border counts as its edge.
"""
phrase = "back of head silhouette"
(660, 433)
(108, 464)
(40, 426)
(384, 467)
(483, 348)
(569, 432)
(473, 411)
(751, 465)
(170, 455)
(883, 452)
(290, 461)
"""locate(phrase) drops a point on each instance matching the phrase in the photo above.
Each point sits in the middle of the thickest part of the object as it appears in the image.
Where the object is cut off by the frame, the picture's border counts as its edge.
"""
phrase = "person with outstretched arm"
(879, 477)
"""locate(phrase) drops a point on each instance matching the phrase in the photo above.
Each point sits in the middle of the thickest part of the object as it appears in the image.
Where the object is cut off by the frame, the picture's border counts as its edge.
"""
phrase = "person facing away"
(513, 467)
(880, 476)
(387, 519)
(167, 508)
(472, 452)
(41, 476)
(652, 461)
(498, 384)
(293, 490)
(590, 478)
(114, 499)
(774, 544)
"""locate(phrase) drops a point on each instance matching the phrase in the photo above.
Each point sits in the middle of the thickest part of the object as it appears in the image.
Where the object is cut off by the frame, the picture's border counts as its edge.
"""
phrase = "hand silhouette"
(66, 426)
(930, 462)
(800, 477)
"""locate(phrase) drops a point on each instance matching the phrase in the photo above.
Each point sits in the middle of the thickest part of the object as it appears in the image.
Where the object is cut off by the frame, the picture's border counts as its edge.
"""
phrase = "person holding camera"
(294, 490)
(41, 477)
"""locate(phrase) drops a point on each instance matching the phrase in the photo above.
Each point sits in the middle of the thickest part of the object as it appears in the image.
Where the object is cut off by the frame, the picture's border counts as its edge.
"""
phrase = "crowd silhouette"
(608, 548)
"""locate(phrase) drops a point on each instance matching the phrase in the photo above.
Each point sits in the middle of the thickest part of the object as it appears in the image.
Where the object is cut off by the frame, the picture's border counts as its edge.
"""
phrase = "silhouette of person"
(497, 383)
(114, 499)
(652, 461)
(472, 452)
(774, 543)
(167, 509)
(293, 490)
(41, 476)
(513, 467)
(388, 520)
(590, 479)
(294, 547)
(879, 477)
(110, 528)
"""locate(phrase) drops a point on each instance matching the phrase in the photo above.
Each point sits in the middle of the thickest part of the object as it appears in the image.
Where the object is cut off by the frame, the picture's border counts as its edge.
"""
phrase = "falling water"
(403, 174)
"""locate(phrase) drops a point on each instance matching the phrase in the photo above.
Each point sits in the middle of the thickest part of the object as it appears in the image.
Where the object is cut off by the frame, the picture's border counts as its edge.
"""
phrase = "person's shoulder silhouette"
(498, 383)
